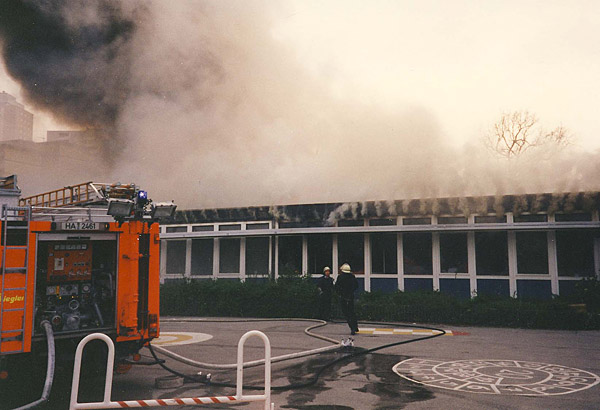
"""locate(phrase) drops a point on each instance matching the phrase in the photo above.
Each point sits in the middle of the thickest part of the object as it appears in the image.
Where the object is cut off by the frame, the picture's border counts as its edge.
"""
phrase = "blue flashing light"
(142, 195)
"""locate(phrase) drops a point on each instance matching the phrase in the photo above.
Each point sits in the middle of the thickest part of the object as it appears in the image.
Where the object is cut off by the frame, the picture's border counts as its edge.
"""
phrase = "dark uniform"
(345, 285)
(325, 285)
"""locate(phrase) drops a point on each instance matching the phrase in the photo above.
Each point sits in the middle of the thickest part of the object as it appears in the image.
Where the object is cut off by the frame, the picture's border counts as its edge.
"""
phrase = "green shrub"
(287, 297)
(295, 296)
(587, 291)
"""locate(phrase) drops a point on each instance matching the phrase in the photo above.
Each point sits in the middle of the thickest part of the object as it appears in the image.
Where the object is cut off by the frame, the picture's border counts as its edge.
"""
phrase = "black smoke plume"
(71, 58)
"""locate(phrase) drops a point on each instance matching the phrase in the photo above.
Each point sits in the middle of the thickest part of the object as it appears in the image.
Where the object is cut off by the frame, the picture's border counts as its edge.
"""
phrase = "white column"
(400, 263)
(163, 260)
(271, 268)
(435, 259)
(512, 263)
(335, 259)
(242, 259)
(276, 267)
(472, 262)
(367, 257)
(216, 265)
(304, 255)
(553, 262)
(188, 258)
(597, 257)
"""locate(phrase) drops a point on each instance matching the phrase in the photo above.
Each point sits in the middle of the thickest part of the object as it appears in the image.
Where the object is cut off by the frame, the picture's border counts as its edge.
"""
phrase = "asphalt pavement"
(467, 368)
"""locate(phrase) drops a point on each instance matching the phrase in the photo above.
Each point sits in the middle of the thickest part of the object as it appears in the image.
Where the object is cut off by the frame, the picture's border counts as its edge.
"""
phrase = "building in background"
(16, 123)
(534, 245)
(73, 136)
(9, 191)
(43, 166)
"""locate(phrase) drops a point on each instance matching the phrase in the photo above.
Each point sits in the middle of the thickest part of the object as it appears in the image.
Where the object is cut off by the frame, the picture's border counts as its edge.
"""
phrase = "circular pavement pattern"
(511, 377)
(180, 338)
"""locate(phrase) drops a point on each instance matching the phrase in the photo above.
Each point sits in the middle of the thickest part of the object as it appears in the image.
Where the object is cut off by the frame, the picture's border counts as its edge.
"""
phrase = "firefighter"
(325, 287)
(345, 285)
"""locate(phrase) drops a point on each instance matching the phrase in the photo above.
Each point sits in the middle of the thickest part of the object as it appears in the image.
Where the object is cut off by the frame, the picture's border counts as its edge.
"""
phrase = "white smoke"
(220, 113)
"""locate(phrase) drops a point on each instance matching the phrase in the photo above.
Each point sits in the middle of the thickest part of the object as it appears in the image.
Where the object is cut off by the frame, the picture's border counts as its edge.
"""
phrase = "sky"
(467, 61)
(258, 102)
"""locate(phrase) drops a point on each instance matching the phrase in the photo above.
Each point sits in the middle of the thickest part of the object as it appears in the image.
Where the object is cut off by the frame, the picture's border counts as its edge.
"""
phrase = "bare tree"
(517, 132)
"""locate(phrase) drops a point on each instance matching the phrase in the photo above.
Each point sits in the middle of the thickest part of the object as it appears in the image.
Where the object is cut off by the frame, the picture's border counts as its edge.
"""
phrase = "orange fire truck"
(78, 260)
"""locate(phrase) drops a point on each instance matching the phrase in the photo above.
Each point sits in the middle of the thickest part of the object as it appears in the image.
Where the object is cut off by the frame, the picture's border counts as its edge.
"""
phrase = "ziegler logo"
(13, 299)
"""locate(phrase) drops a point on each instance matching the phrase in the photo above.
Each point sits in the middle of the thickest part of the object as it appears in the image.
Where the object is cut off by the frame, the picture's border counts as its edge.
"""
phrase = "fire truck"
(75, 261)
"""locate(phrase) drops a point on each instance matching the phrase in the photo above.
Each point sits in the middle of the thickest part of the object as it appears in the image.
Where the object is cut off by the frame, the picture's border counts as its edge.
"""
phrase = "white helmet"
(326, 268)
(345, 268)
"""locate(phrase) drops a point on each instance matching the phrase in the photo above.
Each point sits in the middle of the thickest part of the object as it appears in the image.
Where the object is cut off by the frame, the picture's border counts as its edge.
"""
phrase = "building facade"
(80, 158)
(535, 245)
(67, 135)
(16, 123)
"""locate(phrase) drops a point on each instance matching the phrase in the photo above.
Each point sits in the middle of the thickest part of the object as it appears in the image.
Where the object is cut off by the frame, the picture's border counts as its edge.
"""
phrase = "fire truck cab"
(83, 259)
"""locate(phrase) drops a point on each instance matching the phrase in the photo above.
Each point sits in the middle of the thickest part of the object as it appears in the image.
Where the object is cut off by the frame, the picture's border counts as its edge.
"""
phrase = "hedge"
(298, 297)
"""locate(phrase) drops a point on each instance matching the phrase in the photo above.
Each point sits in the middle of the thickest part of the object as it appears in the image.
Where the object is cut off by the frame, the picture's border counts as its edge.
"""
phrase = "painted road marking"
(416, 332)
(509, 377)
(180, 338)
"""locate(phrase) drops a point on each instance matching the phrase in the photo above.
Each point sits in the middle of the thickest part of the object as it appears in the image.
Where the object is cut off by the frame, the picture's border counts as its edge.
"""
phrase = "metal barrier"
(108, 404)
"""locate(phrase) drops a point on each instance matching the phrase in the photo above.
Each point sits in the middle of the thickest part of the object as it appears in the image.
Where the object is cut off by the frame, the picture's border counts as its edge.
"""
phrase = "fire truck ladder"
(82, 194)
(15, 220)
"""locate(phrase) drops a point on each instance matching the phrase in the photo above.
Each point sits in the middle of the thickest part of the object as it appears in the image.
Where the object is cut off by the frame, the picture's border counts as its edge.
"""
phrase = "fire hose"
(310, 382)
(253, 363)
(49, 368)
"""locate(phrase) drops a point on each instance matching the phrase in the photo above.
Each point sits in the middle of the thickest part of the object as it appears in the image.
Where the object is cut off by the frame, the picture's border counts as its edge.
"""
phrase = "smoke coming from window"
(202, 103)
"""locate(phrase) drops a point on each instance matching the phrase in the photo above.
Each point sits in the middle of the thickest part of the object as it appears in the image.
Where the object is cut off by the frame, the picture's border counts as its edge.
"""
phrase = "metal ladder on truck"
(13, 293)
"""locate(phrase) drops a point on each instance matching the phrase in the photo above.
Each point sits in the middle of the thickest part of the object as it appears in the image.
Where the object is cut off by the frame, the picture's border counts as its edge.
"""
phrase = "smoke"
(205, 106)
(72, 57)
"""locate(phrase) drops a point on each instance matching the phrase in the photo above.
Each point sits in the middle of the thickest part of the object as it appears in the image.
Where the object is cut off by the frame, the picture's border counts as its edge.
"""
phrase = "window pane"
(416, 221)
(531, 218)
(301, 224)
(580, 217)
(202, 228)
(230, 227)
(290, 255)
(229, 255)
(257, 256)
(575, 253)
(532, 252)
(176, 257)
(452, 220)
(257, 226)
(173, 229)
(320, 252)
(202, 256)
(351, 222)
(384, 253)
(351, 250)
(382, 222)
(489, 219)
(417, 253)
(491, 253)
(453, 252)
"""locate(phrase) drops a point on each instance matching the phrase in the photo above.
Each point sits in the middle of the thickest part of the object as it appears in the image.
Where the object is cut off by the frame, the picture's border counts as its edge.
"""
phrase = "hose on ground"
(253, 363)
(313, 380)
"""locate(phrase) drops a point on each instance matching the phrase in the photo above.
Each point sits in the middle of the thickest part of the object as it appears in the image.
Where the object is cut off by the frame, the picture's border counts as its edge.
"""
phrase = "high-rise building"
(16, 123)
